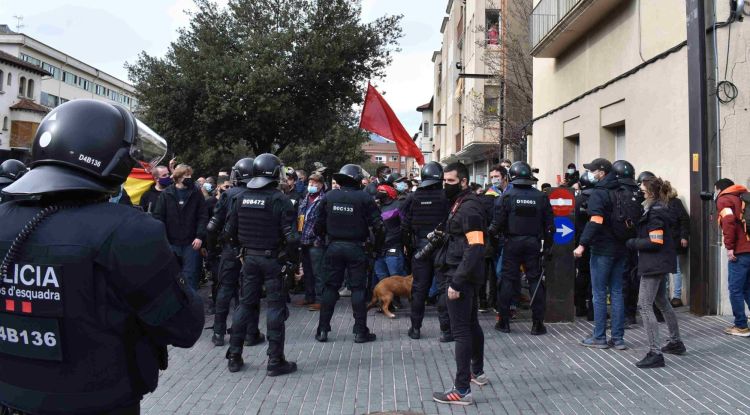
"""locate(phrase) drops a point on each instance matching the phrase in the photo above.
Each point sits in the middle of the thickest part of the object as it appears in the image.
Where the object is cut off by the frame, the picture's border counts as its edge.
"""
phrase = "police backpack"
(626, 212)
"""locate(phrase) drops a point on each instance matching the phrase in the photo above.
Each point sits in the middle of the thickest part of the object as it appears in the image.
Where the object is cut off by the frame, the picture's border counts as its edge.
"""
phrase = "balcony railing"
(546, 15)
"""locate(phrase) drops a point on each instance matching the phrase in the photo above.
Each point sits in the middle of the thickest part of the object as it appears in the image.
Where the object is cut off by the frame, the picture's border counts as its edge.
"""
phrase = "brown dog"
(388, 288)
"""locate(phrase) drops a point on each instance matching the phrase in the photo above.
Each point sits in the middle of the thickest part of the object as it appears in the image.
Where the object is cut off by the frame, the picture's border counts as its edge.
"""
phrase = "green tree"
(265, 76)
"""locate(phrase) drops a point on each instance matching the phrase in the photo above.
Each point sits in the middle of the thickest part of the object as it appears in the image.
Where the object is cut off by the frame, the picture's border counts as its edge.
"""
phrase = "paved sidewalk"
(529, 375)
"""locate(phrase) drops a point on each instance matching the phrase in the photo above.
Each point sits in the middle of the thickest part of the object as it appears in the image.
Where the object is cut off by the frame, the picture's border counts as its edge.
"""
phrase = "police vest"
(345, 215)
(258, 227)
(62, 348)
(525, 215)
(429, 208)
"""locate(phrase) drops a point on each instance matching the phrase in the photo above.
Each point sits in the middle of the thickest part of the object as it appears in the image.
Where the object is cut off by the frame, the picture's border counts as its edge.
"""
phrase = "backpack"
(626, 212)
(745, 201)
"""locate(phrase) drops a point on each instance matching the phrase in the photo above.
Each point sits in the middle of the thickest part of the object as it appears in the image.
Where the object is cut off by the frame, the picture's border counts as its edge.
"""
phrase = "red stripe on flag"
(10, 305)
(26, 306)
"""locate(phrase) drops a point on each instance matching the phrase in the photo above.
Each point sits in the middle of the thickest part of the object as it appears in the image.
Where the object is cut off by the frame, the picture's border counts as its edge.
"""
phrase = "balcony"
(557, 24)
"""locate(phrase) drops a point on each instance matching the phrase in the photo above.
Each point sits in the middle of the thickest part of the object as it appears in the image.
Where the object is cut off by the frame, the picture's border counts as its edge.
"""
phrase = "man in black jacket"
(464, 259)
(161, 182)
(182, 208)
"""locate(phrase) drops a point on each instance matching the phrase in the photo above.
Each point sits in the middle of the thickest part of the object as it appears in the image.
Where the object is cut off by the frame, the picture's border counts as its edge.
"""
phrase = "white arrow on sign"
(565, 230)
(561, 202)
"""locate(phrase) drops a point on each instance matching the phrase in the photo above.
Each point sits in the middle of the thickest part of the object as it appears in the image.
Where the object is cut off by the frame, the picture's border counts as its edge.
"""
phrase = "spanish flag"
(138, 182)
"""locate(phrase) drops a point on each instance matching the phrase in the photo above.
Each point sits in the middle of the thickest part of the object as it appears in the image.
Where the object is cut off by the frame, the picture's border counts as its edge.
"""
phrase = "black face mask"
(188, 182)
(452, 190)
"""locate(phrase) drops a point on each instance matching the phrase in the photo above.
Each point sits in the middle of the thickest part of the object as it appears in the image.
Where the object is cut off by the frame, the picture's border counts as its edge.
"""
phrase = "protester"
(162, 180)
(608, 255)
(681, 235)
(390, 260)
(183, 210)
(729, 204)
(313, 246)
(571, 175)
(656, 260)
(290, 187)
(490, 199)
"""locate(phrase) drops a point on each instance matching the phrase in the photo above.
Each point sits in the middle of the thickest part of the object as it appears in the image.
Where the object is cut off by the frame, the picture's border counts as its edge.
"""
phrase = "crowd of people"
(263, 230)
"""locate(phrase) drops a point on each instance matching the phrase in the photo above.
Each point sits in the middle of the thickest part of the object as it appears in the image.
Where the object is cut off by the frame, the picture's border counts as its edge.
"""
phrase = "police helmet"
(266, 169)
(242, 171)
(431, 173)
(11, 170)
(585, 181)
(520, 174)
(645, 176)
(394, 178)
(624, 171)
(89, 145)
(350, 175)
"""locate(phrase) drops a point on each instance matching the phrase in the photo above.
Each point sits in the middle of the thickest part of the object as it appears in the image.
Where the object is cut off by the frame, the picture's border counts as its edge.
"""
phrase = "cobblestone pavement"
(529, 374)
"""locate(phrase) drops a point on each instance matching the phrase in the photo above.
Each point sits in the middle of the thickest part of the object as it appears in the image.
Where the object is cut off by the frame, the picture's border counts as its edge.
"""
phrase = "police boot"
(254, 340)
(414, 333)
(217, 339)
(279, 366)
(446, 336)
(364, 337)
(503, 325)
(537, 328)
(321, 336)
(235, 361)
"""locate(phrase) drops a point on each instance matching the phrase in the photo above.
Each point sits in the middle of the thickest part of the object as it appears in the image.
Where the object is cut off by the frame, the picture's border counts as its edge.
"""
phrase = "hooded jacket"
(729, 206)
(183, 223)
(598, 234)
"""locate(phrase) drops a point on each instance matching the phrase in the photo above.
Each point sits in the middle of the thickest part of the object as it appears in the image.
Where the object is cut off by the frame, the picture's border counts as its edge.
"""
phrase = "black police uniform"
(582, 292)
(261, 221)
(488, 293)
(464, 259)
(425, 210)
(10, 171)
(525, 218)
(229, 273)
(631, 282)
(345, 217)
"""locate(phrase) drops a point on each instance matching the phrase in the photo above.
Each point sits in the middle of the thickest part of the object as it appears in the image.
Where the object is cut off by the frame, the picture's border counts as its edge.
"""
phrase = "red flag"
(378, 117)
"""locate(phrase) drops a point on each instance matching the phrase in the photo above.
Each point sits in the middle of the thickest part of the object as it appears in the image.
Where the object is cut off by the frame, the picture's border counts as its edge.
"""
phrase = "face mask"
(165, 181)
(452, 190)
(592, 177)
(401, 187)
(571, 171)
(208, 186)
(300, 186)
(495, 181)
(312, 189)
(188, 182)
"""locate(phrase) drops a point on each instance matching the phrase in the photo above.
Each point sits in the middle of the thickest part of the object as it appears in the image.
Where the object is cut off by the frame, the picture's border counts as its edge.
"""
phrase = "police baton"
(541, 274)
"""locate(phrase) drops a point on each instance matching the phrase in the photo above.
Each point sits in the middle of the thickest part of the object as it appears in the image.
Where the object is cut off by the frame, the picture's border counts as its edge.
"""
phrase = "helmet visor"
(149, 148)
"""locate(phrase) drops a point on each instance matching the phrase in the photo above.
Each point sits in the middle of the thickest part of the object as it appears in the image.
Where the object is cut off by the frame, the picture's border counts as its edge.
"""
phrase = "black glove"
(630, 244)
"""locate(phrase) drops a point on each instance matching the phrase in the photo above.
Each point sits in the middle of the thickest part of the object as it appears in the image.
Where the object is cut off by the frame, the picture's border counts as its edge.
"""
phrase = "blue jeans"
(677, 281)
(388, 265)
(190, 259)
(739, 288)
(606, 276)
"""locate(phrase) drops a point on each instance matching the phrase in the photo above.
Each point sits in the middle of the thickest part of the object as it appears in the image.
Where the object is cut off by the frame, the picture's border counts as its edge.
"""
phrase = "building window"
(69, 78)
(394, 158)
(63, 100)
(620, 142)
(5, 123)
(22, 87)
(54, 70)
(379, 159)
(1, 80)
(49, 100)
(572, 150)
(10, 78)
(403, 159)
(29, 59)
(426, 129)
(494, 27)
(491, 98)
(100, 90)
(30, 89)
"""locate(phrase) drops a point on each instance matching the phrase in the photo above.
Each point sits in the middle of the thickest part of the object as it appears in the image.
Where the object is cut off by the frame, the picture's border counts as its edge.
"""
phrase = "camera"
(435, 239)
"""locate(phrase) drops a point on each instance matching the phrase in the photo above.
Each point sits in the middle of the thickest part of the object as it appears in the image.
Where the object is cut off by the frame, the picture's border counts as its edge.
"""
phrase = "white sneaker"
(344, 292)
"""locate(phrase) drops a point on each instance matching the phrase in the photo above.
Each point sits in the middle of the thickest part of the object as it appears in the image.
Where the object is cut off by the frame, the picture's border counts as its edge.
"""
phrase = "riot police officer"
(261, 222)
(230, 265)
(582, 294)
(108, 296)
(525, 218)
(425, 210)
(464, 261)
(346, 216)
(10, 171)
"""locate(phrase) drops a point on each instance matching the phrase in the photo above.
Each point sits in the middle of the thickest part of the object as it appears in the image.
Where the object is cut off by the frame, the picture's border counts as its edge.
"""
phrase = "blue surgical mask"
(592, 177)
(209, 187)
(571, 171)
(401, 187)
(312, 189)
(495, 181)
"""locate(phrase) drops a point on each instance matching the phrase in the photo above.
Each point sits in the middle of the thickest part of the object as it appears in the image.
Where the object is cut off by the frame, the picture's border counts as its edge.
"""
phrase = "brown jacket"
(729, 207)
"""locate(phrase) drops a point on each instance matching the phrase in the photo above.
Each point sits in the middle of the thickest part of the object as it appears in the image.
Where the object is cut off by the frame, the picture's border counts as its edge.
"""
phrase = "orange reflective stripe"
(475, 237)
(597, 219)
(657, 236)
(726, 212)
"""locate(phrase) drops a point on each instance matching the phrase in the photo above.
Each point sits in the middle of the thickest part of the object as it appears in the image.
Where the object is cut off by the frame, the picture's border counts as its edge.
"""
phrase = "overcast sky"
(108, 33)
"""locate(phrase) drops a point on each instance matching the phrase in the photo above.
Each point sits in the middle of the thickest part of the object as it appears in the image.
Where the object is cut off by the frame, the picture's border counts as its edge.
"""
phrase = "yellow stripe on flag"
(137, 184)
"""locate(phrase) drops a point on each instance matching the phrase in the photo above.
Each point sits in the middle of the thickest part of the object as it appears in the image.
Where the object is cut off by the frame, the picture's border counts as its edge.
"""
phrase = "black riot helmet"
(242, 171)
(645, 176)
(394, 178)
(88, 145)
(350, 175)
(585, 182)
(11, 170)
(266, 169)
(520, 174)
(432, 173)
(624, 171)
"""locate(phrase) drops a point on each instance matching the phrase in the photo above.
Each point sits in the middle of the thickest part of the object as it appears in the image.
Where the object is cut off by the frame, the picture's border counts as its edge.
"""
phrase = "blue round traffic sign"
(564, 230)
